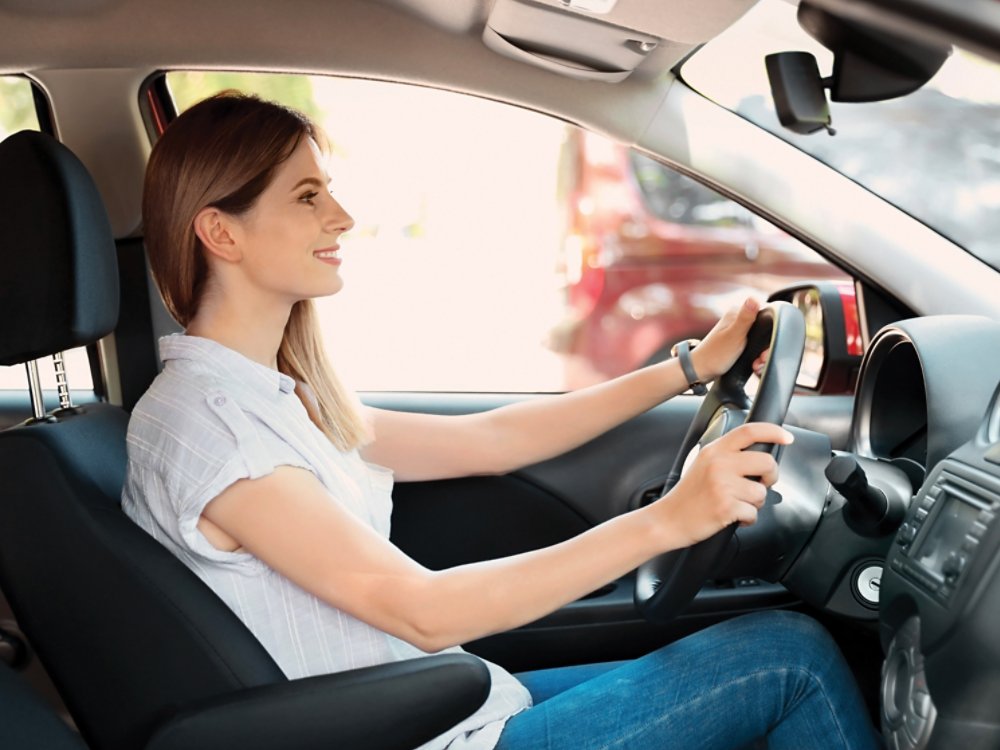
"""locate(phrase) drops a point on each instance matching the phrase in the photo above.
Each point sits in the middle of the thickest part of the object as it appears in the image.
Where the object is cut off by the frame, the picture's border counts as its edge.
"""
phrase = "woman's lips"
(328, 255)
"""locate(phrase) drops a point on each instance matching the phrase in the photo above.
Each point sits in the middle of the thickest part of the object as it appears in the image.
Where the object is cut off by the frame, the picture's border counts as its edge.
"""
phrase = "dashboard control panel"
(940, 601)
(941, 535)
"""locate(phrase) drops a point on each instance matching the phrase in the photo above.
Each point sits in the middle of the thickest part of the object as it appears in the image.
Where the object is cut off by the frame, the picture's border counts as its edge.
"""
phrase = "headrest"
(58, 268)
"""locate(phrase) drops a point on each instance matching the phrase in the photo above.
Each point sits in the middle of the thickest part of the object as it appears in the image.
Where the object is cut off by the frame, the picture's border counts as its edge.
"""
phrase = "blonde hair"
(223, 152)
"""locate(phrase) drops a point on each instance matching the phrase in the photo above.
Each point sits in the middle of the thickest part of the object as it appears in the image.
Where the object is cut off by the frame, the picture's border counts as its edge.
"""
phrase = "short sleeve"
(240, 446)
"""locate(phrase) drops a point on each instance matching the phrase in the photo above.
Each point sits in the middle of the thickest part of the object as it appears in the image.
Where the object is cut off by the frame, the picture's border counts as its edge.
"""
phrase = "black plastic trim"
(716, 598)
(394, 706)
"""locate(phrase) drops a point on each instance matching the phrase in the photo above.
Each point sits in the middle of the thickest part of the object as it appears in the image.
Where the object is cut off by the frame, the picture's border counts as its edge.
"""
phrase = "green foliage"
(17, 106)
(291, 90)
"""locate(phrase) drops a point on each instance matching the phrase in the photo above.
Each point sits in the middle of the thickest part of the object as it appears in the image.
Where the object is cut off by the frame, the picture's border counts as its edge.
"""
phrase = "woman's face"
(289, 238)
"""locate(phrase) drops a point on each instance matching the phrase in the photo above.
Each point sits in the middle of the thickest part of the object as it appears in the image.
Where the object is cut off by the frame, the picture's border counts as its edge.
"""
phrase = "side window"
(17, 106)
(496, 249)
(672, 197)
(17, 112)
(654, 257)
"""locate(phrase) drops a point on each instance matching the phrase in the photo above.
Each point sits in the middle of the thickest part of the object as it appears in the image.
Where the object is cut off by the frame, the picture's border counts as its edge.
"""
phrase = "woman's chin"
(330, 288)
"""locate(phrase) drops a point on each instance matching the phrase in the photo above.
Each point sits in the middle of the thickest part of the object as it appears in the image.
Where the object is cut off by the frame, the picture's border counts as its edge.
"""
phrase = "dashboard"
(891, 415)
(928, 404)
(940, 603)
(923, 387)
(907, 532)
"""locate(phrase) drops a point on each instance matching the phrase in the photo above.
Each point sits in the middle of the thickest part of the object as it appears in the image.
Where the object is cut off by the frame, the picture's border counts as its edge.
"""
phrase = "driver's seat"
(142, 652)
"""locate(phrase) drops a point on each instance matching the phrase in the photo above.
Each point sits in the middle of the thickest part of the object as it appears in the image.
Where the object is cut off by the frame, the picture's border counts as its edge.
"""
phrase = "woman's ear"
(217, 233)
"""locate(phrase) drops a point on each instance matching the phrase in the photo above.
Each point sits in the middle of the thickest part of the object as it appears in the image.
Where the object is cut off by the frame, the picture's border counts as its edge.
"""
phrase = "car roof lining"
(98, 33)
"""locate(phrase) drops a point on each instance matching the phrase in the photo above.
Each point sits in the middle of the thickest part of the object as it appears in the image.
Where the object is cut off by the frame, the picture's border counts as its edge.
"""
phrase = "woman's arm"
(289, 521)
(424, 446)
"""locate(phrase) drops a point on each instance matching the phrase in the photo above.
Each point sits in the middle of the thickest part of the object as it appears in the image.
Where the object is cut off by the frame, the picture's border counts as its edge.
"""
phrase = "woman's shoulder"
(177, 393)
(179, 417)
(191, 416)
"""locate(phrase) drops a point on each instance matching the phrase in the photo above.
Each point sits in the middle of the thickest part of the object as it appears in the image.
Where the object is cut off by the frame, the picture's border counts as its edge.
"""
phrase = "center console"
(940, 606)
(939, 540)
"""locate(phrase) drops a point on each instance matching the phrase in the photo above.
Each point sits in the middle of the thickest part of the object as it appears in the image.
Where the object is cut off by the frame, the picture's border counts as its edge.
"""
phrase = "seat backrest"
(128, 633)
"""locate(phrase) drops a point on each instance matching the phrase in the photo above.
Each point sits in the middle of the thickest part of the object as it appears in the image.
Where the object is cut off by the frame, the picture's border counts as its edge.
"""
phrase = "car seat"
(29, 723)
(142, 652)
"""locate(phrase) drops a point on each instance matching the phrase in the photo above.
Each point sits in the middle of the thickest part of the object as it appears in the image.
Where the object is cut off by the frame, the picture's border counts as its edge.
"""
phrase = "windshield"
(934, 153)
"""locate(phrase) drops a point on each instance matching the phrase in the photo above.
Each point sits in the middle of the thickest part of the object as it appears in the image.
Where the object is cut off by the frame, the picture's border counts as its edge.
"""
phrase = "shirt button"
(220, 400)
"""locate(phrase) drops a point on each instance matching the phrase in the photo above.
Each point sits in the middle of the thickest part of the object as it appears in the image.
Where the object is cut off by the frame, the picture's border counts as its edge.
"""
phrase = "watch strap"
(683, 352)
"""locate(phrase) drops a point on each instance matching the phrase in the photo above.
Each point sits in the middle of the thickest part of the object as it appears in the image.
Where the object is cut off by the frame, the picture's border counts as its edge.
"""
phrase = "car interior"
(886, 368)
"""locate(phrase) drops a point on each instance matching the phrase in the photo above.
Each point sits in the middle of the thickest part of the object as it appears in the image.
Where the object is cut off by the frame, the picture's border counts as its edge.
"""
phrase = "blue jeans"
(775, 675)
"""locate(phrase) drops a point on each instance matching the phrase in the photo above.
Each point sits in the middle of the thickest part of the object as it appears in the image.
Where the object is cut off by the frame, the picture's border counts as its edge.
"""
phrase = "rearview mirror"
(797, 87)
(869, 65)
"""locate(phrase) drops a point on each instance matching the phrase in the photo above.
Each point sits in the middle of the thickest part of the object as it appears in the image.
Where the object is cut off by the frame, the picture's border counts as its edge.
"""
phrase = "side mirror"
(833, 346)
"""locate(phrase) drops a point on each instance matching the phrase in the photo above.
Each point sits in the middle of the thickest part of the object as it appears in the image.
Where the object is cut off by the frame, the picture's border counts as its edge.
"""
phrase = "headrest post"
(61, 382)
(35, 386)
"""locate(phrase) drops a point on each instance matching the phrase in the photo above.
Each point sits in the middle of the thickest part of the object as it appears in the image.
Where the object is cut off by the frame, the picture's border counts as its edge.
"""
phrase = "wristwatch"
(682, 350)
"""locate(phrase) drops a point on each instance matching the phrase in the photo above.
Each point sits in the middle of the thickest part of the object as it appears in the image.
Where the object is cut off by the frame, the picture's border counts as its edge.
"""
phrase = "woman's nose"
(338, 218)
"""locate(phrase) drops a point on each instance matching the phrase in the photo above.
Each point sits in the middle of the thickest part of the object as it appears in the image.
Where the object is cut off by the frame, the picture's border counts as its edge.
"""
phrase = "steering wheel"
(668, 582)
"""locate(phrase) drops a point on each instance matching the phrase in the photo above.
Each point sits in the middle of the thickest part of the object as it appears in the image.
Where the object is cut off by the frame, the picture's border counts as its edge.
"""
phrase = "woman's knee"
(773, 642)
(797, 626)
(790, 639)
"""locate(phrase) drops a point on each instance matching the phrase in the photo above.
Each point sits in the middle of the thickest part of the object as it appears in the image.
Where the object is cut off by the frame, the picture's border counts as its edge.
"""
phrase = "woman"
(251, 463)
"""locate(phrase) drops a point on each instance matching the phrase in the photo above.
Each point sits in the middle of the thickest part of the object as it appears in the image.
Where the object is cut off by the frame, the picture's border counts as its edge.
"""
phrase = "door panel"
(443, 524)
(458, 521)
(597, 479)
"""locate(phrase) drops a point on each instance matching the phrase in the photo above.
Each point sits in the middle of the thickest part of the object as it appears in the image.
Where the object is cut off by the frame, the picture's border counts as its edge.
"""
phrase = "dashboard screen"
(947, 530)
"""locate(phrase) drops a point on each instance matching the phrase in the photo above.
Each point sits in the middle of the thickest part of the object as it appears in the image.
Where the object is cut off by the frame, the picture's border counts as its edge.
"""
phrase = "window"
(496, 249)
(671, 196)
(17, 106)
(17, 112)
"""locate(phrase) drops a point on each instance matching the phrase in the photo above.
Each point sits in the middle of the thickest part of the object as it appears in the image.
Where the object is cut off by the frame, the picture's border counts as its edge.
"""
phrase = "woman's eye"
(309, 197)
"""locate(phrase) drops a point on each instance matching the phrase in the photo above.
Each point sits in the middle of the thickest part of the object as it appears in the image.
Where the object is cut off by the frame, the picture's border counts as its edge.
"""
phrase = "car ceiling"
(97, 33)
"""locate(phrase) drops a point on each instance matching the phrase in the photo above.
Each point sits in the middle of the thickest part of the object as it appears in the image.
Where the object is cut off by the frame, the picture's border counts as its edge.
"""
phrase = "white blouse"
(214, 416)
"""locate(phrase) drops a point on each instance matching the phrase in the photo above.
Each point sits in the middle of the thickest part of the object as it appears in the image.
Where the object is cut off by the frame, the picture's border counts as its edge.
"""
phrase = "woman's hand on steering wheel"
(666, 583)
(719, 350)
(725, 484)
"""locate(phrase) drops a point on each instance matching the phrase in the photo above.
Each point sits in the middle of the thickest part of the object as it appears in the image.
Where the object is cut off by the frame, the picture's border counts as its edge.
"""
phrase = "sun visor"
(573, 44)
